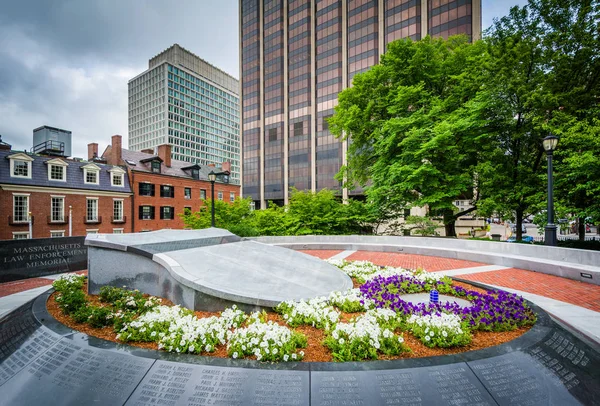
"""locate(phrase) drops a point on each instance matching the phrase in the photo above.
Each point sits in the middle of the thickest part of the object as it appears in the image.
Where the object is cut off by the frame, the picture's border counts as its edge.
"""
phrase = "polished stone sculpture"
(208, 269)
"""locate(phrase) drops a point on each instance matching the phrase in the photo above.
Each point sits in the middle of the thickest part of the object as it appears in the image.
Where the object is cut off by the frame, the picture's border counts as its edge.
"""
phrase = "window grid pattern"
(118, 210)
(402, 20)
(91, 177)
(56, 172)
(20, 208)
(21, 168)
(450, 17)
(92, 210)
(58, 209)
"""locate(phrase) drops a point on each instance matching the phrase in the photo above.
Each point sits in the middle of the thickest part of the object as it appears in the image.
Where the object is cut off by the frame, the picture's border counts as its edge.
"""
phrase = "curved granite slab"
(208, 269)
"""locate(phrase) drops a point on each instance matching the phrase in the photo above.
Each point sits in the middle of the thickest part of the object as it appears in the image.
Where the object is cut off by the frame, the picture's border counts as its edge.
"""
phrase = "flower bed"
(370, 322)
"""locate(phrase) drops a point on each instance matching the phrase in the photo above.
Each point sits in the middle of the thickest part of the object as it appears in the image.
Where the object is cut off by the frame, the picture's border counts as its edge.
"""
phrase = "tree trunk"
(581, 228)
(449, 223)
(519, 225)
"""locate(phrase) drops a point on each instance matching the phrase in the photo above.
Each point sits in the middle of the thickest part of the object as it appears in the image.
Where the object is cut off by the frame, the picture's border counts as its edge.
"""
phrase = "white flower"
(235, 355)
(294, 356)
(427, 338)
(191, 348)
(444, 333)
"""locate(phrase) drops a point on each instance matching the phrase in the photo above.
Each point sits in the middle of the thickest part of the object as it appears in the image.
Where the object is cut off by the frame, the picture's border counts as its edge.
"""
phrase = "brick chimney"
(92, 151)
(148, 151)
(164, 153)
(226, 167)
(211, 165)
(115, 156)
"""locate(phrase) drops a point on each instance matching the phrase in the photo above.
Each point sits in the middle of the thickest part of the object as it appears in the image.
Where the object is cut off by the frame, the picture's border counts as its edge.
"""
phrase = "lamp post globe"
(549, 143)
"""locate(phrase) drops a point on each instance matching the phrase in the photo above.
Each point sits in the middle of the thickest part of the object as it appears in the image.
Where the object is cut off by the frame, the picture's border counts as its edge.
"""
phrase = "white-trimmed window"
(20, 235)
(57, 209)
(220, 195)
(91, 209)
(20, 165)
(117, 231)
(187, 193)
(117, 176)
(203, 194)
(94, 231)
(20, 208)
(57, 233)
(232, 196)
(91, 174)
(57, 170)
(117, 209)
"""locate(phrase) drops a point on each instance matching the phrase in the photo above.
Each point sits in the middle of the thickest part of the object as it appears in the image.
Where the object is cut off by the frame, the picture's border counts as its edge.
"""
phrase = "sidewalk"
(17, 293)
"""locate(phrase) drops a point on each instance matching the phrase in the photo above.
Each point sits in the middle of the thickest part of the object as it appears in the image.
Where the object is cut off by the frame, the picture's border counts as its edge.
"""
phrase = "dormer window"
(193, 171)
(20, 165)
(155, 166)
(57, 170)
(117, 177)
(91, 174)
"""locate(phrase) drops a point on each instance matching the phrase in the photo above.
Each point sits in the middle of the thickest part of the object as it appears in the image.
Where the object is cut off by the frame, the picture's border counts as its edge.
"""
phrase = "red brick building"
(162, 187)
(53, 196)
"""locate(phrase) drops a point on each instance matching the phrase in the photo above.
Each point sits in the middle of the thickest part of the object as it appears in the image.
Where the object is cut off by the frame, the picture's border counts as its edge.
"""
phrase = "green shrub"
(71, 301)
(110, 294)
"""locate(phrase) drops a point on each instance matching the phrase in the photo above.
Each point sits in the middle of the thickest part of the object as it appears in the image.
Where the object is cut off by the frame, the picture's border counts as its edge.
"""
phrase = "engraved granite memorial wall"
(44, 363)
(20, 259)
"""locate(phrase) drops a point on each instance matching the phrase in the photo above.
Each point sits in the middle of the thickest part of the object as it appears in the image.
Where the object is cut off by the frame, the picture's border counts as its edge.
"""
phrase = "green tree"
(510, 106)
(409, 133)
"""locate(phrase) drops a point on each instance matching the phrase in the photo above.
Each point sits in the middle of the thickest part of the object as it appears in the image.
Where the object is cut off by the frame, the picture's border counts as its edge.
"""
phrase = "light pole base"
(550, 235)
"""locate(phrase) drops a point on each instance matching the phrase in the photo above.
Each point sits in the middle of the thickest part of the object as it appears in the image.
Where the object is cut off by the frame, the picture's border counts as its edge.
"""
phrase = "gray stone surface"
(258, 274)
(219, 271)
(185, 384)
(132, 271)
(565, 262)
(154, 239)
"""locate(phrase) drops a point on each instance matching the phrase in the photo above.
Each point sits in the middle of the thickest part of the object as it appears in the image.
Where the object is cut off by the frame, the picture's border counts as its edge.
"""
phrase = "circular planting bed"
(374, 320)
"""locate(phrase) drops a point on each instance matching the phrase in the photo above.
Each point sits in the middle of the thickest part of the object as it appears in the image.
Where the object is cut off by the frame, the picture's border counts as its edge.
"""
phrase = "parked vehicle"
(526, 238)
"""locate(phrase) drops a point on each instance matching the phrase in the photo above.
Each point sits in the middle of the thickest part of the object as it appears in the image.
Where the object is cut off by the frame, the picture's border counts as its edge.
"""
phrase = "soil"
(315, 351)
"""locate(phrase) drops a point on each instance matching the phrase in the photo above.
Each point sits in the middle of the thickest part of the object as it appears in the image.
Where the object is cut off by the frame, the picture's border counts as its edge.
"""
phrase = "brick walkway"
(323, 254)
(411, 261)
(566, 290)
(9, 288)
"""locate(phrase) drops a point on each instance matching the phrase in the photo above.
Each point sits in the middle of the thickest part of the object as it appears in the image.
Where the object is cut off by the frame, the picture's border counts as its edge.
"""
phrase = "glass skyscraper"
(296, 56)
(184, 101)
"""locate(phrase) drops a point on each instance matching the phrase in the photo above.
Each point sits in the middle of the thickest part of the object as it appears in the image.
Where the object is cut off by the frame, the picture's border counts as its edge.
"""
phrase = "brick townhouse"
(163, 187)
(61, 197)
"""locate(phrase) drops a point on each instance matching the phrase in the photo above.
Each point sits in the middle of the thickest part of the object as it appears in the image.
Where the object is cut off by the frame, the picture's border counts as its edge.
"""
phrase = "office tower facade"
(184, 101)
(296, 56)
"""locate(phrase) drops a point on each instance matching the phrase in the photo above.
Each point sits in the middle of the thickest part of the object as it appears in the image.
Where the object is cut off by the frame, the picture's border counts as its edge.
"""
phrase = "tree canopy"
(438, 121)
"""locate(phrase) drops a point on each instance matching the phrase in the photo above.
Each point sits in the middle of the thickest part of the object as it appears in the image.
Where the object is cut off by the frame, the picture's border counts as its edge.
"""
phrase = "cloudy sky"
(66, 63)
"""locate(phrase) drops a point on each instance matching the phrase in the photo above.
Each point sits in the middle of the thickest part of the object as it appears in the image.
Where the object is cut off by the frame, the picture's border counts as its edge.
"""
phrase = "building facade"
(42, 197)
(163, 188)
(296, 56)
(183, 101)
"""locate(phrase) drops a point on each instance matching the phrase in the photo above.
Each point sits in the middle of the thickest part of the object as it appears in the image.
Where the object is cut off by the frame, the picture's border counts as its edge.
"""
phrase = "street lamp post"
(212, 177)
(550, 238)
